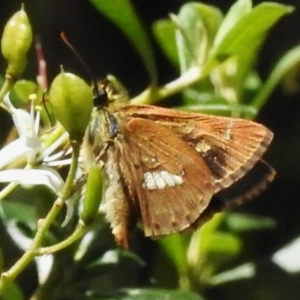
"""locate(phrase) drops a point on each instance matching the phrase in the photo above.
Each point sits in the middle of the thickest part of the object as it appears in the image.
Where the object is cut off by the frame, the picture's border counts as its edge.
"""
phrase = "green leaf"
(212, 103)
(251, 27)
(244, 39)
(122, 14)
(221, 109)
(245, 222)
(146, 294)
(230, 77)
(21, 91)
(24, 217)
(164, 32)
(20, 212)
(211, 248)
(12, 292)
(197, 26)
(114, 257)
(178, 257)
(245, 271)
(286, 64)
(245, 62)
(246, 59)
(220, 245)
(224, 79)
(235, 13)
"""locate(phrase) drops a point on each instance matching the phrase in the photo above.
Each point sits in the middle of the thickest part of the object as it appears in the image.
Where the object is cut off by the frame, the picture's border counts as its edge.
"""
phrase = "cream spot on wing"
(187, 128)
(168, 178)
(149, 182)
(145, 158)
(227, 134)
(178, 179)
(161, 180)
(202, 147)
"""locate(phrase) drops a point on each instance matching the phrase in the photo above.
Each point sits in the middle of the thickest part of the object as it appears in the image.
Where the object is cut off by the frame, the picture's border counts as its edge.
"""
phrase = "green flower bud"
(93, 195)
(72, 103)
(16, 41)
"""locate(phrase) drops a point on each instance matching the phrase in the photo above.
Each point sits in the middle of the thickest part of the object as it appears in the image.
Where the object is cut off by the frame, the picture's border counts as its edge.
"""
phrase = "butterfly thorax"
(109, 97)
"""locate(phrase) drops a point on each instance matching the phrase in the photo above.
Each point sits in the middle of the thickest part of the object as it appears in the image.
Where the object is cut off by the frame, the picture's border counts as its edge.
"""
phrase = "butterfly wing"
(248, 187)
(170, 181)
(230, 147)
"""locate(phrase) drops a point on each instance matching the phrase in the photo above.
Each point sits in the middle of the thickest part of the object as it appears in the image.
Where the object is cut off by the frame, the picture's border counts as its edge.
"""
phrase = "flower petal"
(13, 151)
(45, 176)
(70, 203)
(58, 143)
(22, 120)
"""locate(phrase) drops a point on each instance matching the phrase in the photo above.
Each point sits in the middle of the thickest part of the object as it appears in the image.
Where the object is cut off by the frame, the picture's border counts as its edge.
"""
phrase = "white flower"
(28, 142)
(40, 175)
(29, 145)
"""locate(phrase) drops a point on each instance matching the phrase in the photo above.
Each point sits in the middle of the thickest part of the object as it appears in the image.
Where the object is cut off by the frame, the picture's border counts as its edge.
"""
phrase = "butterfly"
(171, 170)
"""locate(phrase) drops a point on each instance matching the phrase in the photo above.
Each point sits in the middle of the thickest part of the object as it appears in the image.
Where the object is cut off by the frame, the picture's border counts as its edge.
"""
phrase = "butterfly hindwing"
(170, 180)
(248, 187)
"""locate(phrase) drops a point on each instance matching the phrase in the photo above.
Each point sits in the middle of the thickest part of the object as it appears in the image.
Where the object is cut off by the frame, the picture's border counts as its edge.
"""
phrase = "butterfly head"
(109, 91)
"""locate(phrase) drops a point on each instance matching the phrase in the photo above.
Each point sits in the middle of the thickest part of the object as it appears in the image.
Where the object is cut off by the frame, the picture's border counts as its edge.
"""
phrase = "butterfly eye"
(103, 92)
(100, 96)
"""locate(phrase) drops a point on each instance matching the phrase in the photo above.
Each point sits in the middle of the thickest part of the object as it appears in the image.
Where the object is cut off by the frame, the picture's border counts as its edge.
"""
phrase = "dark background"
(106, 50)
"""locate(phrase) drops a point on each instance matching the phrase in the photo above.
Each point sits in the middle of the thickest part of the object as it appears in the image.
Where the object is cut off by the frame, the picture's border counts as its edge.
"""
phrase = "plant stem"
(7, 190)
(151, 96)
(78, 233)
(7, 86)
(43, 224)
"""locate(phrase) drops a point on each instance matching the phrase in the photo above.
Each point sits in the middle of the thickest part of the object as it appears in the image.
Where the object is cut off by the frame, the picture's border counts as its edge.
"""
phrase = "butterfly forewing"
(230, 153)
(172, 183)
(230, 147)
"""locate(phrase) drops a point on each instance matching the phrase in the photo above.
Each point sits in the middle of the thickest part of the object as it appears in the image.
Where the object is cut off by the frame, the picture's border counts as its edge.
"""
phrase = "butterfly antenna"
(64, 38)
